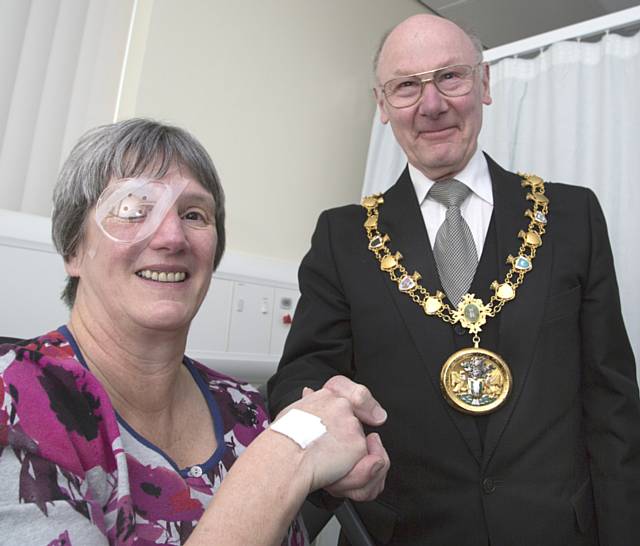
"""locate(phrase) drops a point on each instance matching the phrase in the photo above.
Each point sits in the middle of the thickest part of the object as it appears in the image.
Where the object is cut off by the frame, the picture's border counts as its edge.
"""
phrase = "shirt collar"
(475, 176)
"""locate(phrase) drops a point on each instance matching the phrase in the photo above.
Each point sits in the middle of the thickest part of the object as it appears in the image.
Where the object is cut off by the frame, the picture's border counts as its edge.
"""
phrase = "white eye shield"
(131, 210)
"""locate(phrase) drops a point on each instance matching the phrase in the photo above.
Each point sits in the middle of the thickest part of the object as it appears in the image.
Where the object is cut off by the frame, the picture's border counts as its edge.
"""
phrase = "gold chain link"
(433, 304)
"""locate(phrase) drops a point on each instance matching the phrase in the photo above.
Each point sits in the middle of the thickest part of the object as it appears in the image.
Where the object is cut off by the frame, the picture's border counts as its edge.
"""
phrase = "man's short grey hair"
(475, 40)
(125, 149)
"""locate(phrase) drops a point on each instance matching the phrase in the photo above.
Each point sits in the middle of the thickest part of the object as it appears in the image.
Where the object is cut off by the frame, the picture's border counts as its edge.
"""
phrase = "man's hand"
(366, 479)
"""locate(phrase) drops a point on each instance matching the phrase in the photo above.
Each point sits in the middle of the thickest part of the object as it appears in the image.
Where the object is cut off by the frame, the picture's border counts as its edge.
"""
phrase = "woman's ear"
(73, 263)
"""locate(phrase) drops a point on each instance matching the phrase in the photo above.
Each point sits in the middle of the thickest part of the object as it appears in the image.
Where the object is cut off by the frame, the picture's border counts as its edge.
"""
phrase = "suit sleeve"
(319, 344)
(610, 394)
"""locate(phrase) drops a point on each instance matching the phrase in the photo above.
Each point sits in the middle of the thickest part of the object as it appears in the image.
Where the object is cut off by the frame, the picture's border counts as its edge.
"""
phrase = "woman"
(108, 433)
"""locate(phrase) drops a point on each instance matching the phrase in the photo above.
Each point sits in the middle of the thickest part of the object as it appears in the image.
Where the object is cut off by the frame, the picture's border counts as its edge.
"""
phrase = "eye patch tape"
(302, 427)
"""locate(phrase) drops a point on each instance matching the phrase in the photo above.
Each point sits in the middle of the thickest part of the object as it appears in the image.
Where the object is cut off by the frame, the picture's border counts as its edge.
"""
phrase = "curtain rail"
(617, 20)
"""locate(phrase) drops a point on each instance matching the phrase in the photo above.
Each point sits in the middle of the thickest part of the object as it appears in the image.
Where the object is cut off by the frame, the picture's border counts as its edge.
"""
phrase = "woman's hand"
(332, 455)
(346, 463)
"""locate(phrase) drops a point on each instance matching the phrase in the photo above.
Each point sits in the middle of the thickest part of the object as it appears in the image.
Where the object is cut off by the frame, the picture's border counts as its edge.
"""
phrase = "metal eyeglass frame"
(424, 81)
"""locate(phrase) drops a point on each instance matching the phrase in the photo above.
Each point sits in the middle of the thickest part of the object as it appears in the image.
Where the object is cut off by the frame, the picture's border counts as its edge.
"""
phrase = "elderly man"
(481, 309)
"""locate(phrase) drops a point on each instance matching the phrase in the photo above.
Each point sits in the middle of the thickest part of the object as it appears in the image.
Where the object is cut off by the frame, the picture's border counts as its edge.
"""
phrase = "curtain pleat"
(60, 66)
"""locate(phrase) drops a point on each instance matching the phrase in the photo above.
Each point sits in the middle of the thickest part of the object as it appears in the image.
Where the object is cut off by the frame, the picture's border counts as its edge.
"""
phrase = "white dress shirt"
(476, 209)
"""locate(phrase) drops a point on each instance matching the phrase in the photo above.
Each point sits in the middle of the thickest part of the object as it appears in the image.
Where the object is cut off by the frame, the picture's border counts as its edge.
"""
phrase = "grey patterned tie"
(454, 249)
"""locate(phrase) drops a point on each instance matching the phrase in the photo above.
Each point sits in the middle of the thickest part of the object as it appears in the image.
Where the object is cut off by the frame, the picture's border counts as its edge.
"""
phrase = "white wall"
(279, 91)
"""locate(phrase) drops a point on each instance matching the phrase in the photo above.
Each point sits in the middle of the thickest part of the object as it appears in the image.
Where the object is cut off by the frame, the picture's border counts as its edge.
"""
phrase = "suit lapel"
(522, 317)
(401, 219)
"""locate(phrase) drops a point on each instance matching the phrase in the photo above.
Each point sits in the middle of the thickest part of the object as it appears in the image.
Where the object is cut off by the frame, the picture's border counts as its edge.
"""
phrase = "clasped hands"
(344, 461)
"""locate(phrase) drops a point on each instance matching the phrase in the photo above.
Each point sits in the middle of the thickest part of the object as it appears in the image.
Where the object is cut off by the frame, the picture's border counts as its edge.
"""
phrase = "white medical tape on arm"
(302, 427)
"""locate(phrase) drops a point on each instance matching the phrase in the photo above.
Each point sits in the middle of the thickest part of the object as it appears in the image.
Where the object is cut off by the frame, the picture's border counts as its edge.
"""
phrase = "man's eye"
(450, 75)
(405, 86)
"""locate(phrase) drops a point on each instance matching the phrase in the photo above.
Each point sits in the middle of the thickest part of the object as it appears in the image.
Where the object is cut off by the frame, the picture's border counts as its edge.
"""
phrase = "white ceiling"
(498, 22)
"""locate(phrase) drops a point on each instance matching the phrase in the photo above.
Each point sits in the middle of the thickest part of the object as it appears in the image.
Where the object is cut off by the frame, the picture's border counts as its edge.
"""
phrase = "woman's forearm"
(259, 497)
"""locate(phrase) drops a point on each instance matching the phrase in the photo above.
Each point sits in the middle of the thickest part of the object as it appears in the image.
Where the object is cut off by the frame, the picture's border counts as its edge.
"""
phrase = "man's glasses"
(451, 81)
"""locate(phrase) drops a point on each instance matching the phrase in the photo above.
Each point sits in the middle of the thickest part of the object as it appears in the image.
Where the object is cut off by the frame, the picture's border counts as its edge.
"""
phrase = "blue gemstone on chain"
(540, 217)
(523, 263)
(406, 284)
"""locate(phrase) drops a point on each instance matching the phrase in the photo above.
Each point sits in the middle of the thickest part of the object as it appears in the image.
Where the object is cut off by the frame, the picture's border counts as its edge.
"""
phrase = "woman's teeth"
(162, 276)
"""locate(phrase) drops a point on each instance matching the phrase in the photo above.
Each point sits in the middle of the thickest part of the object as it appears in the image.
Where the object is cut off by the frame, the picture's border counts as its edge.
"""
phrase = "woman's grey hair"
(125, 149)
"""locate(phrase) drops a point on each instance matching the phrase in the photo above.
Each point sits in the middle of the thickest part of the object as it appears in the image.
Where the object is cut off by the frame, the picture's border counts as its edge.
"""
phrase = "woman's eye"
(196, 217)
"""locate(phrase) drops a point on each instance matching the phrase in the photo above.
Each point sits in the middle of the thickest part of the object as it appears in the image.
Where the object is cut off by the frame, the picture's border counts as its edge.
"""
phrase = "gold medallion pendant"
(473, 380)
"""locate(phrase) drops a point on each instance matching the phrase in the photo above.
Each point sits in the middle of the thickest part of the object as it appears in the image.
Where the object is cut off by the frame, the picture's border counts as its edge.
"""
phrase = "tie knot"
(450, 193)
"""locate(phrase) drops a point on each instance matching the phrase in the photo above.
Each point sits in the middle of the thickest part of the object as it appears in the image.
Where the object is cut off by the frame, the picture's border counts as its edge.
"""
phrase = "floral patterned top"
(74, 473)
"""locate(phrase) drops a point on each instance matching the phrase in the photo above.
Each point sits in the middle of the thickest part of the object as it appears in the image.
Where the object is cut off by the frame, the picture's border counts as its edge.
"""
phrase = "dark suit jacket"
(559, 463)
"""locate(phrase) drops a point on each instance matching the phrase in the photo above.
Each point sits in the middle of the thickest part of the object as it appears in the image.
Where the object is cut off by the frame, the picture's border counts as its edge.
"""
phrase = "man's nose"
(432, 102)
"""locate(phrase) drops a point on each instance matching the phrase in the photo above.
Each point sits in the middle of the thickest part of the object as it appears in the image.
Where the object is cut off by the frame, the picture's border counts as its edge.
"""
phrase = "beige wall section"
(279, 91)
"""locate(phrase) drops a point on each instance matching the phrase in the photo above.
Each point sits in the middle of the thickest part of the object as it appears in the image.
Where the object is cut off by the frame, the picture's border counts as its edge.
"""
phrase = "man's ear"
(382, 106)
(486, 86)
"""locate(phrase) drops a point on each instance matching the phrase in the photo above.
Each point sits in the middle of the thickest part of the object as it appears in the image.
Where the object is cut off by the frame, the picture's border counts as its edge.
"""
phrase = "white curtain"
(385, 160)
(571, 114)
(60, 71)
